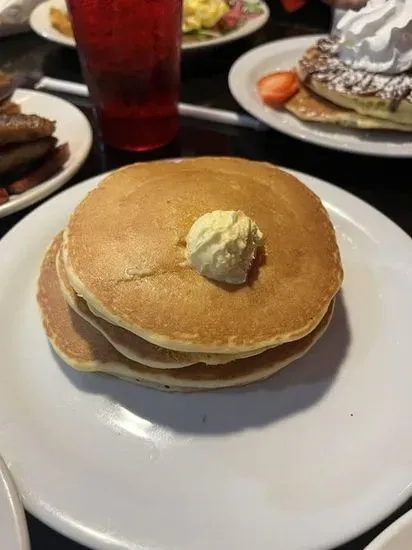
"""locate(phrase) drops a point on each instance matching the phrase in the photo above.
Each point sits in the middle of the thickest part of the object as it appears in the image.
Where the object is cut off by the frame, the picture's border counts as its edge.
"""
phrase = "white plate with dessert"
(324, 445)
(204, 25)
(49, 142)
(345, 95)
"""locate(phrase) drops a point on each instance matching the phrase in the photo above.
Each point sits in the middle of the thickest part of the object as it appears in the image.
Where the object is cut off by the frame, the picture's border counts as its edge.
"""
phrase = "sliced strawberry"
(292, 5)
(276, 88)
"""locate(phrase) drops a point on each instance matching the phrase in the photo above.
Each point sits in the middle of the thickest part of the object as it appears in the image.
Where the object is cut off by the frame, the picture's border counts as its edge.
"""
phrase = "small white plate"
(71, 127)
(397, 536)
(13, 527)
(40, 23)
(283, 55)
(306, 460)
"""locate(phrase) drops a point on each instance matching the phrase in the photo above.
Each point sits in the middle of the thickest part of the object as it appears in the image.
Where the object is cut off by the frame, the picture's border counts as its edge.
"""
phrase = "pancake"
(308, 106)
(84, 348)
(124, 253)
(132, 346)
(387, 97)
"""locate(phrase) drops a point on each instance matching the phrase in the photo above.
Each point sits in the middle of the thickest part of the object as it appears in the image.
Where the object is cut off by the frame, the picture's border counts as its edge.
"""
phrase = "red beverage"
(130, 54)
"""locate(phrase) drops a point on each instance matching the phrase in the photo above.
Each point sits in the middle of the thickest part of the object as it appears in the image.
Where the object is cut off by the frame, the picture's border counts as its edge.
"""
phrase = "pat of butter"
(221, 245)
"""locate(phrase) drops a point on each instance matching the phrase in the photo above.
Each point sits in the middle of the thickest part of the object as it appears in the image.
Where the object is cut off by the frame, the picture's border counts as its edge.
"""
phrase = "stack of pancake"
(117, 295)
(334, 93)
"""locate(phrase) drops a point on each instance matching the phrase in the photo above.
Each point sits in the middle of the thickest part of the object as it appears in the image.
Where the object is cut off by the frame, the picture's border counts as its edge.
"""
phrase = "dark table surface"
(378, 181)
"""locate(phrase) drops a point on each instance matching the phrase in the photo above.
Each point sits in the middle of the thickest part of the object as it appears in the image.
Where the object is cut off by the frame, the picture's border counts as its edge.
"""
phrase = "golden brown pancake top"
(124, 252)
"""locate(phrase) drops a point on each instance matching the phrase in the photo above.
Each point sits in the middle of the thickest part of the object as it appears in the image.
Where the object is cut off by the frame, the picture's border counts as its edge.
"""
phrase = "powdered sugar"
(326, 67)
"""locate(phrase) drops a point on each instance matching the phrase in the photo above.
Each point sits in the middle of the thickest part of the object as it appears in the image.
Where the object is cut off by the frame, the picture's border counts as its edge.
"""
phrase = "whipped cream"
(221, 245)
(378, 37)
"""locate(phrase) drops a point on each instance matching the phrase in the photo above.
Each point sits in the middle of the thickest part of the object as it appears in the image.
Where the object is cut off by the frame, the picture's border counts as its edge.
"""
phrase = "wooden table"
(378, 181)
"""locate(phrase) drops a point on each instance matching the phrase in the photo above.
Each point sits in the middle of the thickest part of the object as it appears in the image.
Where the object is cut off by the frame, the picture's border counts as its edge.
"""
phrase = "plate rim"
(237, 68)
(48, 32)
(379, 542)
(16, 507)
(46, 188)
(58, 522)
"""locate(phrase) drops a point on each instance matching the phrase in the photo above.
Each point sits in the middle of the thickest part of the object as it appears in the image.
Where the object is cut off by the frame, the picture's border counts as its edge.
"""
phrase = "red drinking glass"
(130, 55)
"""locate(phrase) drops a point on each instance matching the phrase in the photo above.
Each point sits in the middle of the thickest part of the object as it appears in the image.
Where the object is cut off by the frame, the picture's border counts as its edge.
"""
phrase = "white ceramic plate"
(283, 55)
(13, 527)
(304, 461)
(72, 127)
(40, 23)
(398, 536)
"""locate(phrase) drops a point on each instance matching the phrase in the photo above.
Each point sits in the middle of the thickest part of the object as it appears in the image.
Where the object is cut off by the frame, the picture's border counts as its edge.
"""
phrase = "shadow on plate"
(289, 392)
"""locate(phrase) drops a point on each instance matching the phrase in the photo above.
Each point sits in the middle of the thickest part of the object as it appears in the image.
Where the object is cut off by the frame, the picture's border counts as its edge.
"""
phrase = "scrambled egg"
(202, 14)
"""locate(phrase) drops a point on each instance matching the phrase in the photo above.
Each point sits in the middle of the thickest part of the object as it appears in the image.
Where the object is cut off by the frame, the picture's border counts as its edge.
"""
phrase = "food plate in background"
(283, 55)
(72, 127)
(40, 23)
(324, 445)
(249, 27)
(13, 526)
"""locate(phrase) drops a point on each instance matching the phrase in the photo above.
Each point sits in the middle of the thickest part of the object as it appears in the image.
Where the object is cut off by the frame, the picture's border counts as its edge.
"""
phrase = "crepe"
(84, 348)
(132, 346)
(124, 253)
(386, 97)
(310, 107)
